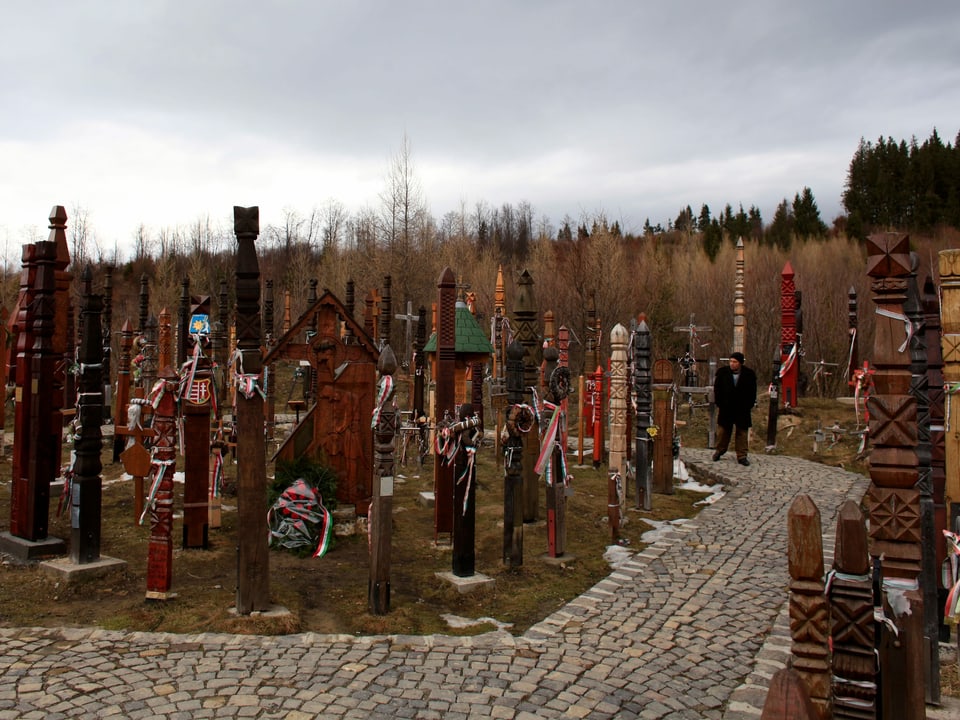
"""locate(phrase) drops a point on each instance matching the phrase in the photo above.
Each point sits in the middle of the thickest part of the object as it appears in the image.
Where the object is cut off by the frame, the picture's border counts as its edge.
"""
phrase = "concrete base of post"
(27, 552)
(65, 570)
(469, 584)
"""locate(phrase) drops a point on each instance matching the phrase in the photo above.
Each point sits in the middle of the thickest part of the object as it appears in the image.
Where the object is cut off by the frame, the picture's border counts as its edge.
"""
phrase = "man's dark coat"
(735, 402)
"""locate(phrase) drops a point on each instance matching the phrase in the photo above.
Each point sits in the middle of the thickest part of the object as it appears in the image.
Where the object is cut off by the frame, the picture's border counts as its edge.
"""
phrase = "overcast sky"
(162, 112)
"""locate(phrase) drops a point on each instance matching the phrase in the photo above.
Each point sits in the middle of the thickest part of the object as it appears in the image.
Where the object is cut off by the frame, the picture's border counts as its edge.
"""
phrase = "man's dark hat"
(738, 356)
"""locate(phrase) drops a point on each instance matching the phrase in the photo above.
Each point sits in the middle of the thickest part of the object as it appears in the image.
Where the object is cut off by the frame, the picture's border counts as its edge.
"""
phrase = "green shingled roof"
(470, 336)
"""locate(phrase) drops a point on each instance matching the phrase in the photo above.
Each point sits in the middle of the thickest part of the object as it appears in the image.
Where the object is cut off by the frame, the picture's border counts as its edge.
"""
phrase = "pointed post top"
(787, 270)
(740, 243)
(447, 278)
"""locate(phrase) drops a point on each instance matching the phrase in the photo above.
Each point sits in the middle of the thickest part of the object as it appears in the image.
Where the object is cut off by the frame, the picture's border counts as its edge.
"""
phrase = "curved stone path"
(692, 627)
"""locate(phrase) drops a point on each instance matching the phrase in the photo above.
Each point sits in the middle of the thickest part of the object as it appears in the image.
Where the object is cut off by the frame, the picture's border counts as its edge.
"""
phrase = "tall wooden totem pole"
(197, 406)
(789, 348)
(893, 498)
(739, 305)
(253, 559)
(445, 402)
(643, 396)
(525, 320)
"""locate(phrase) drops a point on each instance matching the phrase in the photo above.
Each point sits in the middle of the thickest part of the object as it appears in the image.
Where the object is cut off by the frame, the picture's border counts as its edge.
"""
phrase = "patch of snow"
(455, 621)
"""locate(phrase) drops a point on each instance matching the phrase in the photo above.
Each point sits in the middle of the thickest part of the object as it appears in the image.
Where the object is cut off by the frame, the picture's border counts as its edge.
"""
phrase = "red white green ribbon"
(549, 438)
(326, 529)
(383, 394)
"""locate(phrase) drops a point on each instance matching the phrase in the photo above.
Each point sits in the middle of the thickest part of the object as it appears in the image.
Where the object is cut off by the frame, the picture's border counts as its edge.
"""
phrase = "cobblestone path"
(692, 627)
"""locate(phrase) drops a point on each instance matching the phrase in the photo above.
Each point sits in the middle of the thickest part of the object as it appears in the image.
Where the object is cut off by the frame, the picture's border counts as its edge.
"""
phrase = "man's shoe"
(743, 461)
(717, 456)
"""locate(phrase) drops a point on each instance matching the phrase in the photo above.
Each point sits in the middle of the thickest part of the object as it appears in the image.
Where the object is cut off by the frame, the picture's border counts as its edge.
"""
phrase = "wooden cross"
(136, 462)
(692, 329)
(409, 318)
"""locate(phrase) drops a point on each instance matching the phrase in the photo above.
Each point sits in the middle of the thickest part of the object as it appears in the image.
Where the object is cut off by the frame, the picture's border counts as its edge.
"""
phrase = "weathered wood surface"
(196, 406)
(380, 516)
(739, 304)
(87, 485)
(853, 355)
(527, 333)
(851, 619)
(808, 606)
(159, 502)
(664, 405)
(253, 558)
(893, 500)
(643, 395)
(443, 478)
(787, 698)
(516, 417)
(617, 461)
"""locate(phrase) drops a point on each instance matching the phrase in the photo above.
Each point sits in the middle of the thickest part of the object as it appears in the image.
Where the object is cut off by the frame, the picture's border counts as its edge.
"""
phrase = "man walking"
(735, 393)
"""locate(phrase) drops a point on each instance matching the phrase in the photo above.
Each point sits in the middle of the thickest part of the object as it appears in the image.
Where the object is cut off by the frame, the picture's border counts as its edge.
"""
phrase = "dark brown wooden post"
(159, 502)
(46, 419)
(143, 305)
(446, 411)
(86, 486)
(63, 339)
(643, 393)
(122, 398)
(253, 559)
(107, 334)
(419, 364)
(808, 606)
(853, 358)
(518, 417)
(381, 505)
(558, 380)
(29, 500)
(913, 307)
(196, 405)
(789, 359)
(183, 323)
(663, 403)
(148, 348)
(165, 341)
(268, 334)
(938, 473)
(467, 434)
(525, 320)
(893, 500)
(221, 346)
(788, 699)
(850, 596)
(773, 411)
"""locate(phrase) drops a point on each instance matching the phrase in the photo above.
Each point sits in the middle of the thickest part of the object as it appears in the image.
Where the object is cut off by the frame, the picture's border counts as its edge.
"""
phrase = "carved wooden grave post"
(893, 500)
(517, 422)
(159, 502)
(913, 307)
(850, 596)
(937, 396)
(853, 357)
(381, 506)
(808, 606)
(196, 405)
(64, 387)
(525, 319)
(617, 462)
(788, 338)
(86, 486)
(466, 434)
(643, 392)
(165, 341)
(774, 408)
(445, 402)
(268, 335)
(106, 332)
(739, 305)
(419, 365)
(787, 698)
(183, 323)
(551, 459)
(950, 344)
(663, 408)
(253, 559)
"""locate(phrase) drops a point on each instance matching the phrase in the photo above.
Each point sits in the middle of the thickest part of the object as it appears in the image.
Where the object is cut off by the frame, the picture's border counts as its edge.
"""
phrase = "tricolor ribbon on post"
(790, 361)
(247, 383)
(383, 394)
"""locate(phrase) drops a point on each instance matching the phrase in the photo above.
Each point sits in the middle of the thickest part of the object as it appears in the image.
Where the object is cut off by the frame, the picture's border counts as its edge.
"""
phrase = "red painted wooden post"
(787, 698)
(596, 420)
(159, 502)
(789, 362)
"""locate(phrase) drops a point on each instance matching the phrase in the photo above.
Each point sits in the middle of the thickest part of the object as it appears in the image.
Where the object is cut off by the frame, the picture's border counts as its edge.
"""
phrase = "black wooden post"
(643, 392)
(513, 459)
(774, 409)
(87, 486)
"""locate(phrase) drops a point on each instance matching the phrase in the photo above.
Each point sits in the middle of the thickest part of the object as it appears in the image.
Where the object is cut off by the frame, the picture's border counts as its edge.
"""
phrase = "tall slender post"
(143, 304)
(159, 503)
(643, 393)
(268, 334)
(165, 340)
(937, 398)
(196, 408)
(950, 344)
(788, 338)
(445, 403)
(253, 559)
(123, 390)
(663, 407)
(516, 423)
(739, 305)
(419, 365)
(617, 462)
(525, 319)
(893, 500)
(348, 304)
(106, 332)
(558, 380)
(468, 433)
(221, 345)
(853, 355)
(913, 307)
(86, 490)
(381, 505)
(773, 411)
(183, 323)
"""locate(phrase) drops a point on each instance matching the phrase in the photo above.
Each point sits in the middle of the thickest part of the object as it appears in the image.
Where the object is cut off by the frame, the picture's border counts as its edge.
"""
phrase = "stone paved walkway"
(692, 627)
